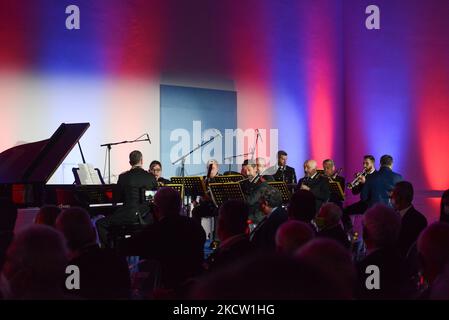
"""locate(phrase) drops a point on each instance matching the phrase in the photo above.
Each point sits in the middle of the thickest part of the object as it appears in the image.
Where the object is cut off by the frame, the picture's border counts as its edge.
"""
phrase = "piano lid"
(36, 162)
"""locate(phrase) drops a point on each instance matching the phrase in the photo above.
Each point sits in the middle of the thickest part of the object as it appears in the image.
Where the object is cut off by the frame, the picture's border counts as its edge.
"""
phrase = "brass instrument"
(356, 180)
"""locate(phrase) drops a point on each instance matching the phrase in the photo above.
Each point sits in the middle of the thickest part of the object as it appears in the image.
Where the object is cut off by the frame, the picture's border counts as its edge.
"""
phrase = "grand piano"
(26, 169)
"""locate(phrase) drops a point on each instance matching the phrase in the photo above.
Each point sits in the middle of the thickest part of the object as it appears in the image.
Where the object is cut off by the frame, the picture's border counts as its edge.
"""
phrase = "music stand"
(193, 186)
(222, 192)
(283, 189)
(335, 188)
(228, 178)
(177, 187)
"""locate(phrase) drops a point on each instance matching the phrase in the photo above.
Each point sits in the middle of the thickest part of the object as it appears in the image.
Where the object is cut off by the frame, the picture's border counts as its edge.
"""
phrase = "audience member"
(412, 221)
(35, 265)
(292, 235)
(444, 210)
(267, 276)
(104, 274)
(329, 224)
(175, 241)
(47, 215)
(232, 231)
(335, 261)
(270, 204)
(302, 207)
(433, 250)
(381, 228)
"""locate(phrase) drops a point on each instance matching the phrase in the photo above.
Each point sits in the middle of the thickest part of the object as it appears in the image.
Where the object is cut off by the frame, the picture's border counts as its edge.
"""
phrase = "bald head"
(292, 235)
(433, 247)
(310, 167)
(167, 203)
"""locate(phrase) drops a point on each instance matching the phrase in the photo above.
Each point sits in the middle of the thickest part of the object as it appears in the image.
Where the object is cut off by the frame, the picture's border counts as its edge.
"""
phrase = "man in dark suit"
(381, 227)
(361, 206)
(282, 171)
(264, 235)
(175, 241)
(315, 183)
(252, 187)
(379, 187)
(412, 221)
(232, 233)
(130, 189)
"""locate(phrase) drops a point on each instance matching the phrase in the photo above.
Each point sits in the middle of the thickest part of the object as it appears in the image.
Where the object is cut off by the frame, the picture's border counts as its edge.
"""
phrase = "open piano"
(26, 169)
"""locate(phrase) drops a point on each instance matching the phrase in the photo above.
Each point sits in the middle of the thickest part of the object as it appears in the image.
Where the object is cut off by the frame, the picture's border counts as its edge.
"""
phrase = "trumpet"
(356, 180)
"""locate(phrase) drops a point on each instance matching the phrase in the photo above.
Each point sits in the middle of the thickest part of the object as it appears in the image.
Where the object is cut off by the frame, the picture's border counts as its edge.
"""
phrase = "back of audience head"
(302, 206)
(381, 227)
(232, 219)
(35, 264)
(267, 276)
(433, 249)
(167, 203)
(332, 259)
(47, 215)
(402, 195)
(329, 216)
(76, 226)
(292, 235)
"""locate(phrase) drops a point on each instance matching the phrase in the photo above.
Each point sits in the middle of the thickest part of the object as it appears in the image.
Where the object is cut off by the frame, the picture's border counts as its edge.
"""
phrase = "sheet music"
(88, 175)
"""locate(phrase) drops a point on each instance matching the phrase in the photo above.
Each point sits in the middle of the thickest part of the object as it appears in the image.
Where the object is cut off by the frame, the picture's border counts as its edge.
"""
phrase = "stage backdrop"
(307, 68)
(190, 116)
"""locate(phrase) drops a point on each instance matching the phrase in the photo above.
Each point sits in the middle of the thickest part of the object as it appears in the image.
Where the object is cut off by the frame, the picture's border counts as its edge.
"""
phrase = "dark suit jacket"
(412, 223)
(130, 186)
(319, 186)
(377, 189)
(177, 243)
(252, 192)
(263, 236)
(288, 175)
(237, 250)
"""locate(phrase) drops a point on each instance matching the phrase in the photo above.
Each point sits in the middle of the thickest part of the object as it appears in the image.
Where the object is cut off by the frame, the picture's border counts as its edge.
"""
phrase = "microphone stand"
(237, 156)
(109, 147)
(184, 157)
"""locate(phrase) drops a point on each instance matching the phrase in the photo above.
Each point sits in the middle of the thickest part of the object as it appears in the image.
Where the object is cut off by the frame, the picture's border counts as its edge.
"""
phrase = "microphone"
(148, 136)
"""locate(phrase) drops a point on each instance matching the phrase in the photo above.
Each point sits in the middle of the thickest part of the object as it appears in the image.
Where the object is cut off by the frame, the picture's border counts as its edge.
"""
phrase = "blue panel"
(182, 109)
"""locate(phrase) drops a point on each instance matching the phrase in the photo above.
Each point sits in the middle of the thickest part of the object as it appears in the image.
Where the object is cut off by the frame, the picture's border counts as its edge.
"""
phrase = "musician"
(378, 189)
(283, 171)
(315, 183)
(252, 187)
(332, 176)
(243, 171)
(130, 186)
(156, 171)
(206, 207)
(361, 206)
(262, 169)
